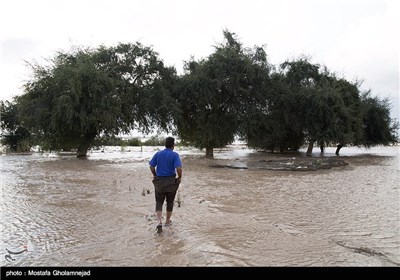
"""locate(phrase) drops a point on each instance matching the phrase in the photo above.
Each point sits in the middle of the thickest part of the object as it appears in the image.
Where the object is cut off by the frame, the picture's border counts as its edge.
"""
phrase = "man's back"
(165, 162)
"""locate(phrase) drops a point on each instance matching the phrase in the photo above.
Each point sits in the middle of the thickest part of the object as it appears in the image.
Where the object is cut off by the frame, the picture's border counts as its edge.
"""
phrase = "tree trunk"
(322, 147)
(339, 146)
(310, 148)
(82, 150)
(209, 151)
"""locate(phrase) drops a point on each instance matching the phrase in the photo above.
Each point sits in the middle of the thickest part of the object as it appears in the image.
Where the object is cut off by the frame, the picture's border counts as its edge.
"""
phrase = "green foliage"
(85, 97)
(379, 128)
(15, 137)
(8, 116)
(88, 92)
(133, 142)
(276, 124)
(307, 103)
(215, 94)
(18, 140)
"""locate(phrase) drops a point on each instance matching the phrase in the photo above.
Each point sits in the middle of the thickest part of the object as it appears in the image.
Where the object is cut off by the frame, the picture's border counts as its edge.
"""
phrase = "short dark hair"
(169, 142)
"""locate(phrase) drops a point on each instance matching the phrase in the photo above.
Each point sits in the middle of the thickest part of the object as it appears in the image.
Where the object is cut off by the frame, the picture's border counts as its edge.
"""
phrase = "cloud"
(368, 50)
(16, 50)
(357, 38)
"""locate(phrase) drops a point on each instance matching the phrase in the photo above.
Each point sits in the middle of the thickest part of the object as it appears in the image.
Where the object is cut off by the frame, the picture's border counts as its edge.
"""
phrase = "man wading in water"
(163, 166)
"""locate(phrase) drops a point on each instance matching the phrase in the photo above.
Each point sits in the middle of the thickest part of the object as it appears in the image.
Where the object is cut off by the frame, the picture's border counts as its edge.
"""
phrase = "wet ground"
(252, 212)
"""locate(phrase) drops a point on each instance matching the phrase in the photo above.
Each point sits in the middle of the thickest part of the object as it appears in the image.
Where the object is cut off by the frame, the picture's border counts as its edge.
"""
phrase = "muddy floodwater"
(64, 211)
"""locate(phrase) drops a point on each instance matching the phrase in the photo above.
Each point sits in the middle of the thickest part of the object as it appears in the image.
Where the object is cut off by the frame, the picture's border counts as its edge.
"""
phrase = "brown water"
(72, 212)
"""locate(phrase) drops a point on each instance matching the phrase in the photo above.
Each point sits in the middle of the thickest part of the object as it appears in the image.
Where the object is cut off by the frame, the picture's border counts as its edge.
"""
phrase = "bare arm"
(153, 170)
(179, 171)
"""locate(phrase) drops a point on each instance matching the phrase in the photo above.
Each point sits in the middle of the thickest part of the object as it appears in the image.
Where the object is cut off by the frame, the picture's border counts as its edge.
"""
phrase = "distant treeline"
(118, 141)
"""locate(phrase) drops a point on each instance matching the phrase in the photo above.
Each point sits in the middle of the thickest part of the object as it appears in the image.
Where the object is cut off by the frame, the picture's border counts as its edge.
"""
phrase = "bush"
(133, 142)
(155, 141)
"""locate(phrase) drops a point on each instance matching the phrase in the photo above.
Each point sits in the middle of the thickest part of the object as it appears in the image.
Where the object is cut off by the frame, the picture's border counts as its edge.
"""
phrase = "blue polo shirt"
(166, 161)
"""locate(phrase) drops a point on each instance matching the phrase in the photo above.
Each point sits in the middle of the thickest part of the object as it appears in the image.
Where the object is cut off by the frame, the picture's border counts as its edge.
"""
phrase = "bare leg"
(168, 219)
(159, 216)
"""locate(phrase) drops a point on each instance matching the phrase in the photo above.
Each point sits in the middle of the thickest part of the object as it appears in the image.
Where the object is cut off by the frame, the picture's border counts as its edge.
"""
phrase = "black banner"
(86, 273)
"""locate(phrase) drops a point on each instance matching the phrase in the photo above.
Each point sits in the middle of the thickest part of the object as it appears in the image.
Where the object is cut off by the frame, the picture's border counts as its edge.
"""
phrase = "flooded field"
(100, 211)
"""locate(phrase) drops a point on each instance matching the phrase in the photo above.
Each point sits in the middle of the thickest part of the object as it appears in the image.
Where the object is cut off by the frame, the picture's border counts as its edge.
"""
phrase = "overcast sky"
(358, 39)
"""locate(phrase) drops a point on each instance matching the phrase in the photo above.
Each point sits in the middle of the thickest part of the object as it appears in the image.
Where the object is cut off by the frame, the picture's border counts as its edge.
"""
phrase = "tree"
(16, 137)
(216, 93)
(302, 77)
(379, 128)
(90, 92)
(348, 130)
(332, 110)
(328, 108)
(276, 124)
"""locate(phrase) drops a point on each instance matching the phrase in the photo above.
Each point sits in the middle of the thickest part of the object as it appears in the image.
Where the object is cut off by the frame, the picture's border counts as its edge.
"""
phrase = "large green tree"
(327, 107)
(276, 123)
(349, 128)
(307, 103)
(88, 92)
(302, 78)
(282, 122)
(332, 110)
(216, 93)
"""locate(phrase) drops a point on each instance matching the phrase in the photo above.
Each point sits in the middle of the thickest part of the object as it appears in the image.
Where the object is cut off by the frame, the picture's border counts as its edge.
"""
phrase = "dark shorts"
(165, 188)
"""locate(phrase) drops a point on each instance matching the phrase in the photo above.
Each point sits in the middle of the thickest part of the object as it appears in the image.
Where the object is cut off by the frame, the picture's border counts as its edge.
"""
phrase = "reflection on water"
(72, 212)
